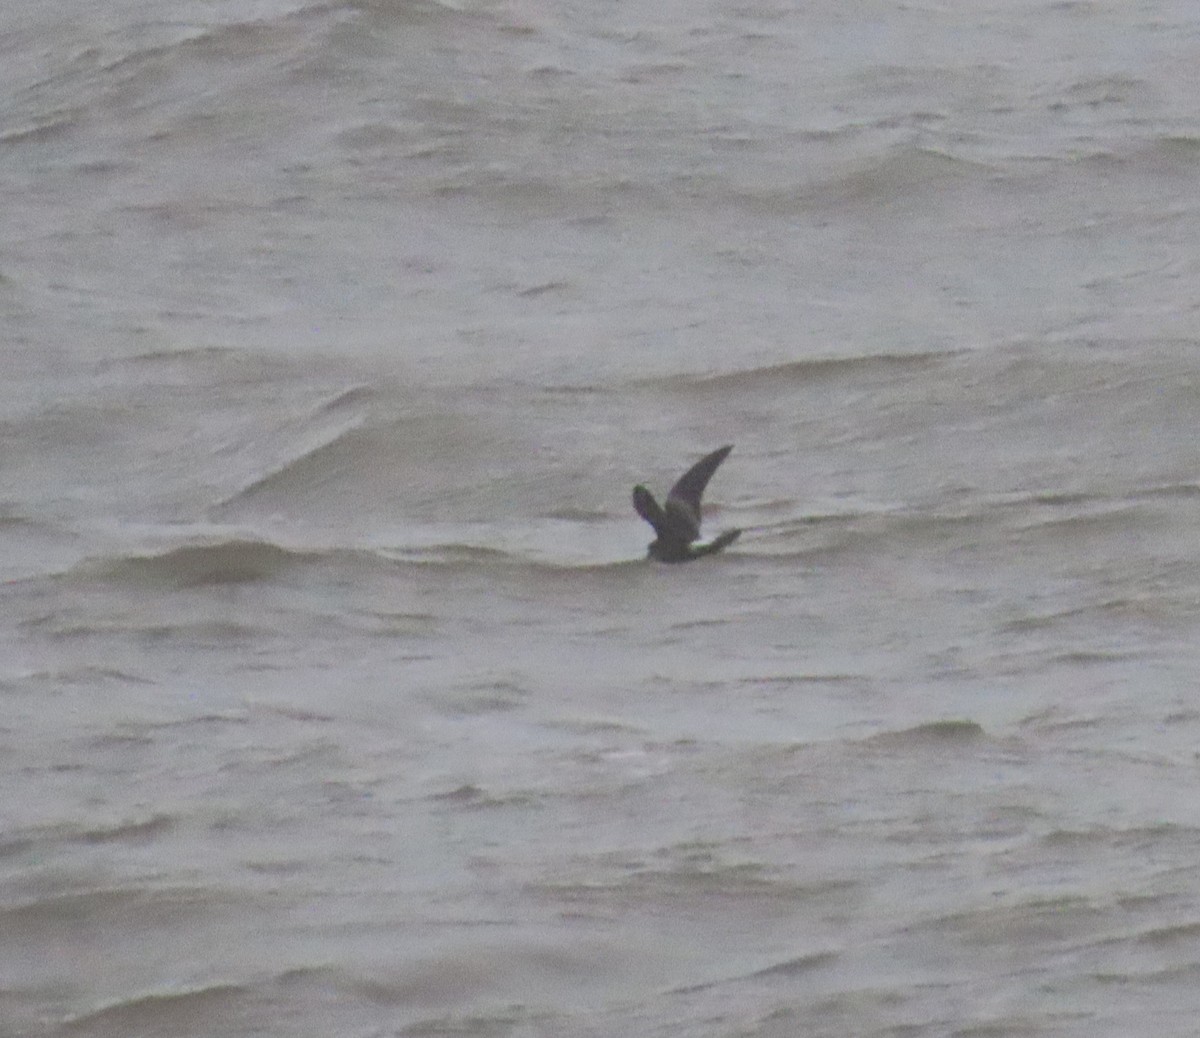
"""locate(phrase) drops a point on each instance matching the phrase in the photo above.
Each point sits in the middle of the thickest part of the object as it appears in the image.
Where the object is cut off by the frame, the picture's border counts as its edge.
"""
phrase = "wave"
(423, 458)
(132, 831)
(1028, 920)
(823, 538)
(1092, 91)
(43, 127)
(247, 559)
(311, 466)
(790, 968)
(162, 1012)
(893, 168)
(953, 516)
(417, 12)
(49, 910)
(938, 733)
(1087, 840)
(700, 878)
(241, 557)
(1114, 515)
(311, 451)
(455, 556)
(118, 65)
(777, 377)
(1186, 932)
(232, 561)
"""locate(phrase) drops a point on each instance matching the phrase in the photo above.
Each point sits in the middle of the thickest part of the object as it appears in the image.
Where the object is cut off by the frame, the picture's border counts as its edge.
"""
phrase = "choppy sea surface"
(336, 694)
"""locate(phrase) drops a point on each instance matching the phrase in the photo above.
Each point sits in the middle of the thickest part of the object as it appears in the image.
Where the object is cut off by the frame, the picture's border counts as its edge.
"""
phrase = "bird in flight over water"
(678, 524)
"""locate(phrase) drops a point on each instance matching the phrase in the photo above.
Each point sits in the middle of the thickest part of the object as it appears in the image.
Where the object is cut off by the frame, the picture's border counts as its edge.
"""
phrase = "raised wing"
(649, 510)
(683, 502)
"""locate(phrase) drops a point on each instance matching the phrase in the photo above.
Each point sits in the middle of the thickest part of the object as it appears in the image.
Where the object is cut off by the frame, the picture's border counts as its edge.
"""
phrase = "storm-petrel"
(678, 524)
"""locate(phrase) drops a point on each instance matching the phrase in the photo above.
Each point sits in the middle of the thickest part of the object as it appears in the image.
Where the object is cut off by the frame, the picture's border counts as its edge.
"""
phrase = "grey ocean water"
(336, 695)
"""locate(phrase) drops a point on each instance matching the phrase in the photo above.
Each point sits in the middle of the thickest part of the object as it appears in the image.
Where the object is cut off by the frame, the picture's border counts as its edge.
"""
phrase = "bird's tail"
(722, 540)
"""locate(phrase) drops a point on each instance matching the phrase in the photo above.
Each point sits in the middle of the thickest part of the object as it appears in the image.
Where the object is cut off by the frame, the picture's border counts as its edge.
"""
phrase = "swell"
(716, 883)
(115, 68)
(239, 559)
(893, 170)
(416, 12)
(313, 465)
(43, 126)
(787, 969)
(932, 734)
(1023, 517)
(823, 538)
(466, 557)
(343, 459)
(163, 1012)
(800, 373)
(314, 453)
(235, 560)
(130, 831)
(168, 907)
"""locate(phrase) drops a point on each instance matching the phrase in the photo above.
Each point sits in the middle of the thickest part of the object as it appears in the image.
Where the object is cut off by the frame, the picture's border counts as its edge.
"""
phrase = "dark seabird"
(678, 524)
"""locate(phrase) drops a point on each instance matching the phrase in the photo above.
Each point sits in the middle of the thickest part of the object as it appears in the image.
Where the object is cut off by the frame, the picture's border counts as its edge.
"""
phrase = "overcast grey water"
(337, 696)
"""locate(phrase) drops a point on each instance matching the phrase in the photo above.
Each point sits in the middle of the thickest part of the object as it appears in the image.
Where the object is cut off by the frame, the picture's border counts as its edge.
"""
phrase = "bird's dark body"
(677, 524)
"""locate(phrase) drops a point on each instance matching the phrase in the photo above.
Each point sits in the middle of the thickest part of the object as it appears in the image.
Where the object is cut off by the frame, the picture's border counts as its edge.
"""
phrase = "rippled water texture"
(336, 694)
